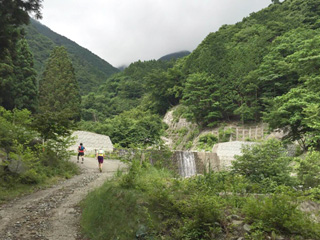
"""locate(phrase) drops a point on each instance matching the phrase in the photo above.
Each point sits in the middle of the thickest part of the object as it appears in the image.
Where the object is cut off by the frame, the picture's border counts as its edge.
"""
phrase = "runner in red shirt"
(81, 150)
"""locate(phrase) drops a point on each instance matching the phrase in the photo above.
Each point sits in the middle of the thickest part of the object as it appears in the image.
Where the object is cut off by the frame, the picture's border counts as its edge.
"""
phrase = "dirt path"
(53, 213)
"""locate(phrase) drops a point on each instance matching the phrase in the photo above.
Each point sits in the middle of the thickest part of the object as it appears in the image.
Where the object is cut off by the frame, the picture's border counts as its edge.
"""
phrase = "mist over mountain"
(174, 55)
(91, 71)
(122, 67)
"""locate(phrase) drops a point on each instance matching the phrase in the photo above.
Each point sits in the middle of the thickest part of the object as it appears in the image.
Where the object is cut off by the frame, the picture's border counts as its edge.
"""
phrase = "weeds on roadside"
(165, 206)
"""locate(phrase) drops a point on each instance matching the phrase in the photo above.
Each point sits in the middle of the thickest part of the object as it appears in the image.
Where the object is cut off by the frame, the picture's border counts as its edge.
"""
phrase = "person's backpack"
(101, 153)
(81, 148)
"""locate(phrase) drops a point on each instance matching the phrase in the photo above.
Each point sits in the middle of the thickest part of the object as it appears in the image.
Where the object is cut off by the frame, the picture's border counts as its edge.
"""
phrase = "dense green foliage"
(113, 110)
(157, 205)
(122, 91)
(266, 164)
(24, 159)
(59, 97)
(252, 61)
(134, 128)
(207, 141)
(309, 170)
(18, 78)
(91, 71)
(199, 95)
(18, 87)
(279, 212)
(14, 13)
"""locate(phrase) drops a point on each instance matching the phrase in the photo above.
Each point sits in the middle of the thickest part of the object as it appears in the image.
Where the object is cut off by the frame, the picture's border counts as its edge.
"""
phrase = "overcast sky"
(125, 31)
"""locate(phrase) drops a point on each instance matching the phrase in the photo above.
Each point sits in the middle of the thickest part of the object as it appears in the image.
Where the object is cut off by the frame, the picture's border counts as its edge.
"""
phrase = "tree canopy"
(18, 87)
(59, 96)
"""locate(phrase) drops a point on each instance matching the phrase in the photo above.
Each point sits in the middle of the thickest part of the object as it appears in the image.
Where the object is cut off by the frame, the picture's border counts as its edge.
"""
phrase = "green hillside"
(239, 73)
(122, 91)
(254, 61)
(90, 70)
(175, 55)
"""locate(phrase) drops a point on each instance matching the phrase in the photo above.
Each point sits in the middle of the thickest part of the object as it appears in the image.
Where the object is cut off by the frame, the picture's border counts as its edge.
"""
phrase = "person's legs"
(78, 157)
(100, 160)
(82, 156)
(100, 167)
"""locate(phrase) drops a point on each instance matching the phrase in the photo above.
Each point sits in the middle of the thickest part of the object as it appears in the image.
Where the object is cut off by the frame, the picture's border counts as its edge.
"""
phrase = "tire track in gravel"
(52, 214)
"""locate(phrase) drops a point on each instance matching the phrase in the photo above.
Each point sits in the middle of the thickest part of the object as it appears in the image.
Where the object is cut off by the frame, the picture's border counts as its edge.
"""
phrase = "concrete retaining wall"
(226, 152)
(92, 142)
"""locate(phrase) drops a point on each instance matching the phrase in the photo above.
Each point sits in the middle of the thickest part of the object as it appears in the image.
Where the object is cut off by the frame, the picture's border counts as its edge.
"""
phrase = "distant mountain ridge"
(175, 55)
(91, 71)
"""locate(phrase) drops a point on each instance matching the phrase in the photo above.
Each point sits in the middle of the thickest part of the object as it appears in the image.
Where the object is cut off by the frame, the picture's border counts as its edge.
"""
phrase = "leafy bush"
(313, 193)
(192, 134)
(134, 128)
(15, 128)
(202, 215)
(263, 163)
(182, 131)
(128, 180)
(309, 170)
(26, 162)
(207, 141)
(179, 113)
(225, 134)
(279, 213)
(221, 182)
(31, 176)
(160, 157)
(188, 145)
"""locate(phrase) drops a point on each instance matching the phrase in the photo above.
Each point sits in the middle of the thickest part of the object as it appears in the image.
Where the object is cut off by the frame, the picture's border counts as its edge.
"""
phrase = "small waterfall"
(187, 164)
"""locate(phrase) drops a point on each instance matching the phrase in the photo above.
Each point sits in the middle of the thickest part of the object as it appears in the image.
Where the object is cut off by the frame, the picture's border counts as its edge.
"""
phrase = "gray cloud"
(124, 31)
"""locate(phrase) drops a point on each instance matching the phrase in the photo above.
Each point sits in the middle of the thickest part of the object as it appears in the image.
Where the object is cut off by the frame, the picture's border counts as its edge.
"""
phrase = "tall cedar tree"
(18, 78)
(14, 13)
(59, 96)
(16, 71)
(25, 92)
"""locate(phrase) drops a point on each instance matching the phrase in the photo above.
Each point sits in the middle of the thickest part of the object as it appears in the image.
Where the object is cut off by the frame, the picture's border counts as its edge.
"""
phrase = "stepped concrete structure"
(225, 152)
(92, 142)
(219, 159)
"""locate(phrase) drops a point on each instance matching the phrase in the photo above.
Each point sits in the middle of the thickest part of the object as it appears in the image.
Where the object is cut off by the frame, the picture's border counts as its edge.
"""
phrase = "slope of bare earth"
(53, 213)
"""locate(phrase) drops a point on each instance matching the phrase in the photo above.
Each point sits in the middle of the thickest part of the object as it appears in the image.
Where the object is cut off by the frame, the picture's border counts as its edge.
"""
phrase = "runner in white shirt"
(100, 156)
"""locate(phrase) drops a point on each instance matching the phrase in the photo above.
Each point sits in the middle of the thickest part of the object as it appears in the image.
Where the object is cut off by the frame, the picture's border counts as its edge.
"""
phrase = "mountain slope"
(90, 70)
(249, 63)
(175, 55)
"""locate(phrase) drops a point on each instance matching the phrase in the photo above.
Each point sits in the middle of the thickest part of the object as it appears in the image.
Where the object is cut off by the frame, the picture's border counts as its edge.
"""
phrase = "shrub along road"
(53, 213)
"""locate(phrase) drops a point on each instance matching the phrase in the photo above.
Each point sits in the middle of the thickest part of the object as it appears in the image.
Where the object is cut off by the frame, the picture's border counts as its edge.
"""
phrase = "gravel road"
(52, 214)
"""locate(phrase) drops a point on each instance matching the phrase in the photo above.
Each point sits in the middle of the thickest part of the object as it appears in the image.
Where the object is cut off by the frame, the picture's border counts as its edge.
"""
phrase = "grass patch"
(113, 213)
(9, 191)
(12, 187)
(120, 209)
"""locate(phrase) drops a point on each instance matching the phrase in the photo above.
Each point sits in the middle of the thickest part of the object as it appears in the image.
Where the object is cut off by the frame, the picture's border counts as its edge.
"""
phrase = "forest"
(265, 68)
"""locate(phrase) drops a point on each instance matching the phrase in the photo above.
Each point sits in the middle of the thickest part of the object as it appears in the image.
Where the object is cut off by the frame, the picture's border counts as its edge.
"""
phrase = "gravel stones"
(52, 213)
